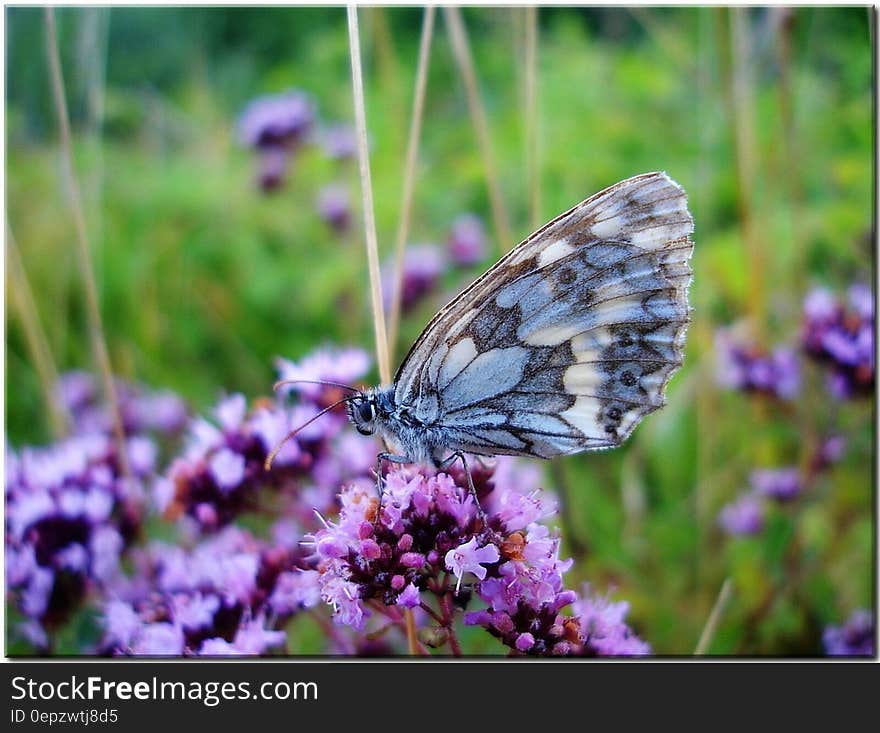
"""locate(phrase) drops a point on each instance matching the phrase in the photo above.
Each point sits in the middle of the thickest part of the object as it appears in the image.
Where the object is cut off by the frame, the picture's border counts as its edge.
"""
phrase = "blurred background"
(217, 247)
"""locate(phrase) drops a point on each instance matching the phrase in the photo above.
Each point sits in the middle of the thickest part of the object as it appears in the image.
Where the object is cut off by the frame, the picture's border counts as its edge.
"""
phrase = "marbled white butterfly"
(564, 345)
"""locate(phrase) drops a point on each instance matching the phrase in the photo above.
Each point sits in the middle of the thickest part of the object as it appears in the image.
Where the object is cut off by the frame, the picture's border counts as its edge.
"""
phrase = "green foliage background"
(203, 281)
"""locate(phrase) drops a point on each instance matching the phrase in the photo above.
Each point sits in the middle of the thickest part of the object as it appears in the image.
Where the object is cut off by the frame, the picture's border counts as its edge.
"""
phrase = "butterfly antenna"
(325, 382)
(267, 464)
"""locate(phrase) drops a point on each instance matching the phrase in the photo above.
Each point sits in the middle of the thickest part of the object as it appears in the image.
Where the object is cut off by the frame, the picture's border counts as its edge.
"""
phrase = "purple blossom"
(856, 638)
(227, 468)
(276, 121)
(340, 142)
(160, 639)
(782, 484)
(215, 598)
(334, 207)
(275, 126)
(70, 514)
(409, 597)
(142, 410)
(603, 629)
(252, 638)
(468, 558)
(831, 450)
(367, 553)
(746, 368)
(841, 338)
(745, 516)
(423, 264)
(222, 473)
(272, 166)
(345, 366)
(429, 530)
(467, 240)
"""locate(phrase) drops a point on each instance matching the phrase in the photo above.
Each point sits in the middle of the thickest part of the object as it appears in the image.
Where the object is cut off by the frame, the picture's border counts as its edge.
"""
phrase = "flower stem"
(531, 115)
(38, 345)
(367, 194)
(431, 612)
(412, 150)
(448, 618)
(96, 328)
(412, 639)
(462, 52)
(714, 617)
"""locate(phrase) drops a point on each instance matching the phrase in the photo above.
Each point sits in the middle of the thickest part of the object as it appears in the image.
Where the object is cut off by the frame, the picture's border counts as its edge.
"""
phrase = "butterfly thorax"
(376, 412)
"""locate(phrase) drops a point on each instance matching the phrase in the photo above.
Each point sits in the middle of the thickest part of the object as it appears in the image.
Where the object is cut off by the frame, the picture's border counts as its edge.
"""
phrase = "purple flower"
(295, 590)
(334, 206)
(782, 484)
(861, 298)
(272, 164)
(340, 142)
(222, 473)
(227, 468)
(279, 120)
(743, 367)
(745, 516)
(215, 598)
(429, 530)
(158, 640)
(423, 264)
(70, 514)
(251, 639)
(424, 516)
(275, 126)
(854, 639)
(602, 627)
(343, 597)
(334, 365)
(76, 390)
(142, 410)
(842, 339)
(468, 558)
(830, 451)
(121, 623)
(467, 240)
(409, 597)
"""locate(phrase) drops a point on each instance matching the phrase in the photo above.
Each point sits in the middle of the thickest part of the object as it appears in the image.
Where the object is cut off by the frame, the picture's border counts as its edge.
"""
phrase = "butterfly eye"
(366, 411)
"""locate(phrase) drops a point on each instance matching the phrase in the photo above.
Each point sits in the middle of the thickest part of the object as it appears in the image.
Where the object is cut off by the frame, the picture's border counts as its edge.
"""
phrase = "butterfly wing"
(569, 340)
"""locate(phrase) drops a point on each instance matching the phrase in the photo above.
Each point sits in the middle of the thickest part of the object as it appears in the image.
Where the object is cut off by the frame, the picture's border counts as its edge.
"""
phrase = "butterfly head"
(361, 410)
(367, 410)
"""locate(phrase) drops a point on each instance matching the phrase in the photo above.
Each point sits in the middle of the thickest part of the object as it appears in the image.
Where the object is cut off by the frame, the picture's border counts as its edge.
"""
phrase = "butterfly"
(563, 346)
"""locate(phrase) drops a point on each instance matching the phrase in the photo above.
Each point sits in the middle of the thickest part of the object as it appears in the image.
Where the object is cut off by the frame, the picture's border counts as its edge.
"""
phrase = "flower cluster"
(428, 535)
(222, 473)
(393, 553)
(334, 207)
(467, 240)
(854, 639)
(842, 338)
(423, 264)
(141, 410)
(70, 513)
(339, 142)
(746, 514)
(275, 126)
(746, 368)
(228, 596)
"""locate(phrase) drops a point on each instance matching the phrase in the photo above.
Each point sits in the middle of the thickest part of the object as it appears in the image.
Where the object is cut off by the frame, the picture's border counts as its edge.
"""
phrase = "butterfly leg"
(380, 486)
(467, 472)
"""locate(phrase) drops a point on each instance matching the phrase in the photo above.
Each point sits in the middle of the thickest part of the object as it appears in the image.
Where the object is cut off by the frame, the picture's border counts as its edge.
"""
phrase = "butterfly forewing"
(569, 340)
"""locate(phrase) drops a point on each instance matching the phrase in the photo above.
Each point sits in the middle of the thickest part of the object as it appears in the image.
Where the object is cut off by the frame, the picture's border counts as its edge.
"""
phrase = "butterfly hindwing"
(569, 340)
